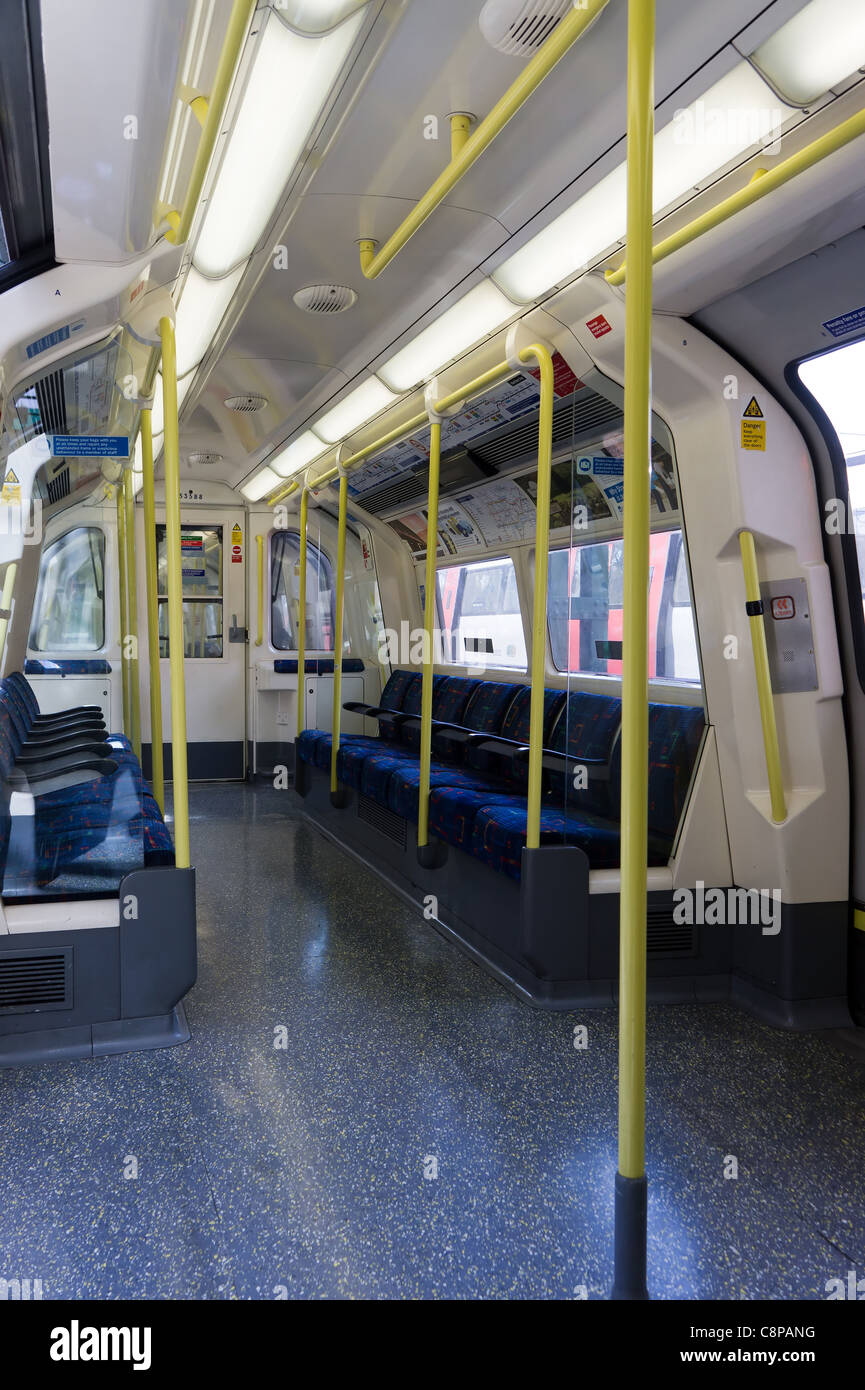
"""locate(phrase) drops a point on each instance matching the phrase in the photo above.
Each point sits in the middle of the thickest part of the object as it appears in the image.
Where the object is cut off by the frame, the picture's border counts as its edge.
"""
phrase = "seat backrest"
(516, 726)
(412, 704)
(450, 706)
(586, 727)
(675, 733)
(398, 685)
(18, 710)
(25, 690)
(485, 713)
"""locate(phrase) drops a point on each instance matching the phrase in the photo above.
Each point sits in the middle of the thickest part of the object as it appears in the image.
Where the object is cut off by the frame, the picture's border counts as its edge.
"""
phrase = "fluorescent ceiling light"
(290, 79)
(199, 314)
(316, 15)
(354, 411)
(157, 415)
(735, 114)
(298, 454)
(478, 313)
(265, 480)
(815, 50)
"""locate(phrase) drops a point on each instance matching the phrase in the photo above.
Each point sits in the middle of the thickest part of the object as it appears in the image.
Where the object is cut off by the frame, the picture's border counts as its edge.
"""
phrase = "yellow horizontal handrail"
(565, 34)
(354, 460)
(235, 35)
(757, 188)
(754, 609)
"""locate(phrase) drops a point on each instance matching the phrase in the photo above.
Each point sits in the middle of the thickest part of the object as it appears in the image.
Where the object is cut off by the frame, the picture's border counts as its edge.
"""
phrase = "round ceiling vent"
(245, 405)
(204, 460)
(325, 299)
(519, 27)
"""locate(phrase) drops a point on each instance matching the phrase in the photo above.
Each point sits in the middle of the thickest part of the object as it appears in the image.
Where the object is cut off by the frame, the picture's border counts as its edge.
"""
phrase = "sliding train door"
(214, 629)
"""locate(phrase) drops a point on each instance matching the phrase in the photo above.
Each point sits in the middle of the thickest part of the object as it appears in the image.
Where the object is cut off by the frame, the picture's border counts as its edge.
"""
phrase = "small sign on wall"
(236, 544)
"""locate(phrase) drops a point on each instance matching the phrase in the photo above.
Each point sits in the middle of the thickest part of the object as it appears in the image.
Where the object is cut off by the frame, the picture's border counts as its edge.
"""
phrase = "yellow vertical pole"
(152, 593)
(124, 611)
(631, 1185)
(301, 616)
(171, 454)
(539, 607)
(337, 640)
(429, 626)
(6, 605)
(131, 654)
(754, 609)
(259, 543)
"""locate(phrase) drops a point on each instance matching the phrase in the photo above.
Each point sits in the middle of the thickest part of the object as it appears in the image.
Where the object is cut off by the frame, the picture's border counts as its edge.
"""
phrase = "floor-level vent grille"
(34, 980)
(381, 819)
(664, 937)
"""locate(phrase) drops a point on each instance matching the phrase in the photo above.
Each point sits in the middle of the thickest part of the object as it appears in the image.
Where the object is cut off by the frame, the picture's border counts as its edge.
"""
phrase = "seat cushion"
(499, 834)
(452, 810)
(403, 785)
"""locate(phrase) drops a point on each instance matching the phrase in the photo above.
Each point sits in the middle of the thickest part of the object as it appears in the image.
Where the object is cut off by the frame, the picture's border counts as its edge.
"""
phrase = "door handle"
(235, 633)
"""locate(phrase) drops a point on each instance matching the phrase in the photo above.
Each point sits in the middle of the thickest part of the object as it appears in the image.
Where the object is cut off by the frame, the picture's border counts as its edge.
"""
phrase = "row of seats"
(479, 784)
(75, 813)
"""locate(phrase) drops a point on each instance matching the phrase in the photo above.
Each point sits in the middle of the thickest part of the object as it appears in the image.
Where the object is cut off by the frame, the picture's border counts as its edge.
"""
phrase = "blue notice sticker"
(104, 446)
(846, 323)
(600, 464)
(50, 340)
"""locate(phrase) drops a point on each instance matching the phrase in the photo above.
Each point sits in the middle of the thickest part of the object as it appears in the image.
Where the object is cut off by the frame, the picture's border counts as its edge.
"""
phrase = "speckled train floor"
(342, 1053)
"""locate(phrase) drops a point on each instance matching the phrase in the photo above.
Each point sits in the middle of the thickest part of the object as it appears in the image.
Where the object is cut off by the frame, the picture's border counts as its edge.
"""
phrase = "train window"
(585, 610)
(69, 613)
(835, 380)
(479, 615)
(285, 594)
(201, 550)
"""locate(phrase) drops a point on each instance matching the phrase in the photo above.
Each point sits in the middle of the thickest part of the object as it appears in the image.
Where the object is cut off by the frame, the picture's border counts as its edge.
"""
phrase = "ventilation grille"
(203, 460)
(386, 822)
(31, 981)
(572, 420)
(59, 486)
(519, 27)
(664, 937)
(245, 405)
(325, 299)
(51, 399)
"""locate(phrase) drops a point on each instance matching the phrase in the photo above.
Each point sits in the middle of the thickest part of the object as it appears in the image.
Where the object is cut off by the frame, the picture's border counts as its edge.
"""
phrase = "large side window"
(479, 615)
(585, 609)
(285, 594)
(69, 613)
(835, 379)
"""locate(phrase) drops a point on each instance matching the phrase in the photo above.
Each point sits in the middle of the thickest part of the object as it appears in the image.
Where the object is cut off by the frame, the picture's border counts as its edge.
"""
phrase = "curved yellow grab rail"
(765, 181)
(338, 630)
(235, 35)
(631, 1185)
(6, 604)
(301, 614)
(130, 654)
(176, 645)
(754, 609)
(259, 545)
(157, 753)
(464, 155)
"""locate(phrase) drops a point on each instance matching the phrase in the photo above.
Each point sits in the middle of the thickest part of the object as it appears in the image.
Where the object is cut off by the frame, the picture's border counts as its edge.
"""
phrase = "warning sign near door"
(11, 487)
(753, 426)
(236, 544)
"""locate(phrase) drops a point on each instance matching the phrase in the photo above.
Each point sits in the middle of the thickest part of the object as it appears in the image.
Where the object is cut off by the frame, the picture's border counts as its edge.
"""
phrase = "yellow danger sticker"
(754, 434)
(11, 488)
(752, 410)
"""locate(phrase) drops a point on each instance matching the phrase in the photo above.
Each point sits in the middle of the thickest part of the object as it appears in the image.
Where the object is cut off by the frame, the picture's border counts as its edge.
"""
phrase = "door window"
(201, 565)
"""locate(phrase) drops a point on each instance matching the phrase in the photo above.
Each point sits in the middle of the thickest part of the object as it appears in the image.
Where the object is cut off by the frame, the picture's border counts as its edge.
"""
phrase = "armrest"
(598, 769)
(94, 728)
(104, 767)
(30, 755)
(56, 739)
